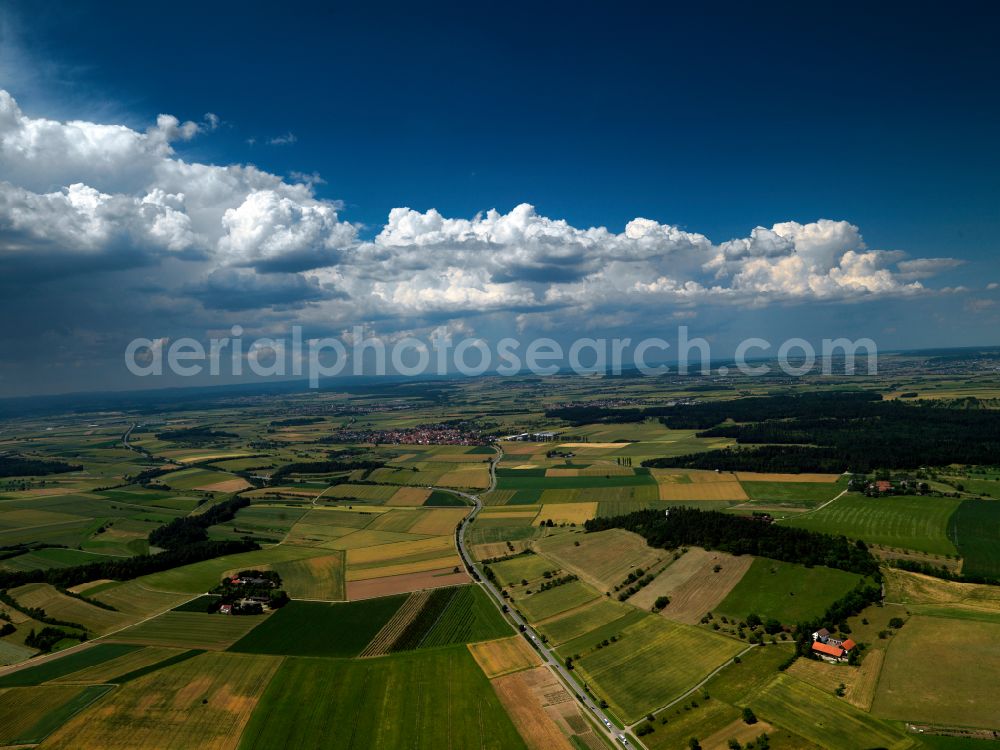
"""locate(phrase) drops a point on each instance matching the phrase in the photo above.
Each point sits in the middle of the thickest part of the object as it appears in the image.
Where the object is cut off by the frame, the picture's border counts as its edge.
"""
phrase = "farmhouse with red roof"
(831, 649)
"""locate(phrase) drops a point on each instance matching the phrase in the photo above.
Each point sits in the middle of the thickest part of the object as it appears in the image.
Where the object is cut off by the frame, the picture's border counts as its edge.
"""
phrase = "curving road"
(548, 657)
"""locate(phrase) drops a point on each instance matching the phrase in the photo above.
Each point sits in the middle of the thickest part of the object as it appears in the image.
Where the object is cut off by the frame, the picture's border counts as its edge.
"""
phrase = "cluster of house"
(249, 602)
(422, 435)
(831, 649)
(882, 487)
(534, 437)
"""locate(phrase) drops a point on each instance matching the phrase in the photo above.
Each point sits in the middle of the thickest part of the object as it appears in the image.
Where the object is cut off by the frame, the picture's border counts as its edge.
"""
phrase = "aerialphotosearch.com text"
(360, 354)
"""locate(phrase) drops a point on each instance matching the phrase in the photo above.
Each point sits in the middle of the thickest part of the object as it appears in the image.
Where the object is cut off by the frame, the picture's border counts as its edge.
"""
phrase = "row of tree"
(739, 535)
(192, 529)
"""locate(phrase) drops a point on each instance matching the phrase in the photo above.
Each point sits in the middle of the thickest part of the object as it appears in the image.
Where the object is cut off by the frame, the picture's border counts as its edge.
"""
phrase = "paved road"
(548, 657)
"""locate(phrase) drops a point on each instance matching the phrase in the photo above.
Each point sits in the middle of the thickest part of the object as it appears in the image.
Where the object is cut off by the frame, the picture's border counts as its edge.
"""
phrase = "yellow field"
(754, 476)
(511, 511)
(489, 550)
(409, 496)
(477, 477)
(399, 550)
(398, 569)
(731, 490)
(203, 702)
(611, 470)
(439, 521)
(577, 513)
(229, 485)
(504, 656)
(921, 592)
(599, 446)
(190, 458)
(289, 491)
(691, 476)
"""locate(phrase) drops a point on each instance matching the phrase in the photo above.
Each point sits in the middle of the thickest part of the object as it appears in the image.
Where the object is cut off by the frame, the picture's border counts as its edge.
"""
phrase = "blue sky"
(711, 122)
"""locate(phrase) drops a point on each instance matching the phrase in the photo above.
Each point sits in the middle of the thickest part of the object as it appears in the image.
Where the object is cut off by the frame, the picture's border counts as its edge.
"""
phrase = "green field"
(582, 621)
(544, 604)
(936, 669)
(975, 529)
(737, 682)
(825, 719)
(199, 577)
(522, 567)
(470, 617)
(653, 662)
(60, 666)
(917, 523)
(320, 629)
(191, 630)
(30, 714)
(808, 494)
(421, 699)
(787, 592)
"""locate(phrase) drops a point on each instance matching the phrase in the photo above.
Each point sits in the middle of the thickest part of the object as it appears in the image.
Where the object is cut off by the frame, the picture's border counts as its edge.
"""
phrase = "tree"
(694, 744)
(661, 602)
(896, 623)
(749, 717)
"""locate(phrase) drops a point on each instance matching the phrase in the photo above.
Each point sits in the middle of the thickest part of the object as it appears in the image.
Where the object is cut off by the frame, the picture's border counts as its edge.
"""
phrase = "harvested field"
(440, 521)
(476, 477)
(228, 485)
(409, 497)
(203, 702)
(383, 553)
(921, 593)
(573, 513)
(860, 682)
(445, 562)
(597, 446)
(524, 696)
(754, 476)
(491, 550)
(936, 670)
(504, 656)
(368, 538)
(737, 730)
(611, 470)
(384, 639)
(604, 558)
(404, 584)
(693, 585)
(702, 491)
